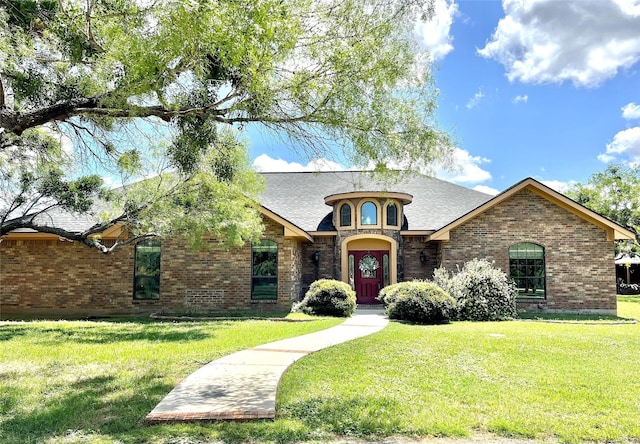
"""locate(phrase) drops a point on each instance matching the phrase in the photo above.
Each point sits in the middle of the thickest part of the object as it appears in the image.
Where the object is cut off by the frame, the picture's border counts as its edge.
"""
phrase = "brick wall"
(66, 279)
(325, 268)
(410, 250)
(580, 268)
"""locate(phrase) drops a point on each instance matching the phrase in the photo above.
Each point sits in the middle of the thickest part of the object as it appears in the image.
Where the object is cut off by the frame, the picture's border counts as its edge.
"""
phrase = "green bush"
(417, 301)
(482, 292)
(387, 294)
(328, 297)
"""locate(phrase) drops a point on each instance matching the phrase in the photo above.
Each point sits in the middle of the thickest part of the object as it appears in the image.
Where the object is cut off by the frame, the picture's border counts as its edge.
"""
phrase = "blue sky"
(548, 89)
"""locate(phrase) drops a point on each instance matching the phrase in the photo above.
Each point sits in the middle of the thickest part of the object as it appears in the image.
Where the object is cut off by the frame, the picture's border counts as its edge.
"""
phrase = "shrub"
(417, 301)
(328, 297)
(482, 292)
(387, 294)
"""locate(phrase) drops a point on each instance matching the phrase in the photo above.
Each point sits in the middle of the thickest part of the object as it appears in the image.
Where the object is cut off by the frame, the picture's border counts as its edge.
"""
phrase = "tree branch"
(86, 238)
(17, 122)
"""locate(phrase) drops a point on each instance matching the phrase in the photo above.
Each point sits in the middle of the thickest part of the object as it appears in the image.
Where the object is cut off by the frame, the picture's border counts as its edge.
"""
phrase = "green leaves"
(320, 74)
(614, 193)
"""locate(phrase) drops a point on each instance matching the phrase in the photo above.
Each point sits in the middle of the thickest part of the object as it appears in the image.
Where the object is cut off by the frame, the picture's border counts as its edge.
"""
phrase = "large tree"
(614, 193)
(160, 89)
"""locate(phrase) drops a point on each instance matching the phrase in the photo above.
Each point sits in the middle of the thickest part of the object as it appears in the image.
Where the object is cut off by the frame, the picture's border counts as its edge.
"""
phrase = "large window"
(369, 214)
(264, 274)
(345, 215)
(146, 277)
(527, 269)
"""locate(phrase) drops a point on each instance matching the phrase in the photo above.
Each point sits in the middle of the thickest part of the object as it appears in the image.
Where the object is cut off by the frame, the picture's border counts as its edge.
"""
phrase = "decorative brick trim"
(237, 415)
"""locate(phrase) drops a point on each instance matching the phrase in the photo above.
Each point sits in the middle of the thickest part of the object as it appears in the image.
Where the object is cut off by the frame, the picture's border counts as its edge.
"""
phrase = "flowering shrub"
(482, 292)
(417, 301)
(328, 297)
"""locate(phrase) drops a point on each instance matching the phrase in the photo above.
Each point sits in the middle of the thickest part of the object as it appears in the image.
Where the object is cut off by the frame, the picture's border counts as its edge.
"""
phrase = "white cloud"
(435, 34)
(548, 41)
(631, 111)
(466, 168)
(266, 164)
(559, 186)
(521, 99)
(485, 189)
(625, 147)
(475, 100)
(606, 158)
(463, 168)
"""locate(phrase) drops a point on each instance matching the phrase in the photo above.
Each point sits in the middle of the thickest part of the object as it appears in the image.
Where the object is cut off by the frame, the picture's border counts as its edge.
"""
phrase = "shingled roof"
(299, 197)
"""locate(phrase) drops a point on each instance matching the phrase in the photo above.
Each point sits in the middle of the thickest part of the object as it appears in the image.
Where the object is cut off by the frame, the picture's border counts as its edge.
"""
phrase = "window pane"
(392, 215)
(146, 281)
(352, 272)
(264, 279)
(527, 269)
(264, 288)
(369, 214)
(345, 215)
(385, 269)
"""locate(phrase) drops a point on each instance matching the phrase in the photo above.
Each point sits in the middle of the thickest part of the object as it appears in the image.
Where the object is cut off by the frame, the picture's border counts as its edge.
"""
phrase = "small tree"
(482, 292)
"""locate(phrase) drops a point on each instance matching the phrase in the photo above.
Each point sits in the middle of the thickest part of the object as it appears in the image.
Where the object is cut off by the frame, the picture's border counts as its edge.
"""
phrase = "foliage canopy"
(614, 193)
(146, 88)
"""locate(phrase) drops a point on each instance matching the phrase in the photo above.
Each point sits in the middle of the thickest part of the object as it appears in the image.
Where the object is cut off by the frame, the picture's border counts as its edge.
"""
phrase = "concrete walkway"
(243, 385)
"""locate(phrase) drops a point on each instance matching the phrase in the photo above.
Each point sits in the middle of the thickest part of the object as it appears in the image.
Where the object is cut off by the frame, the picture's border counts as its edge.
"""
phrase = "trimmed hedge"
(482, 292)
(417, 301)
(328, 297)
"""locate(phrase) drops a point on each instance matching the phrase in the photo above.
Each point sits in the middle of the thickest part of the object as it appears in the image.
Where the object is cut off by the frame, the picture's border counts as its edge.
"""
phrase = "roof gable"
(614, 230)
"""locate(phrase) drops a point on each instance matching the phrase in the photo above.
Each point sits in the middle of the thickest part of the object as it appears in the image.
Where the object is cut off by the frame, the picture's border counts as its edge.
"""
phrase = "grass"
(93, 382)
(79, 381)
(629, 307)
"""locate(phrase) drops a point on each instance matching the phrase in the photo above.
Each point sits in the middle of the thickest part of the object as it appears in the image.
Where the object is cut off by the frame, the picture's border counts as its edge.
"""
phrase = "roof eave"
(614, 231)
(291, 231)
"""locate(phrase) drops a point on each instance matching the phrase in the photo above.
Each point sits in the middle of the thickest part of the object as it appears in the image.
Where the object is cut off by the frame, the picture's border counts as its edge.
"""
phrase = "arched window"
(392, 215)
(527, 269)
(345, 215)
(369, 214)
(146, 273)
(264, 270)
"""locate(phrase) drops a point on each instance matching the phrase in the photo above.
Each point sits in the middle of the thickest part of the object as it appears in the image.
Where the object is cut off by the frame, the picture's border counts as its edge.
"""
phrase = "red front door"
(368, 275)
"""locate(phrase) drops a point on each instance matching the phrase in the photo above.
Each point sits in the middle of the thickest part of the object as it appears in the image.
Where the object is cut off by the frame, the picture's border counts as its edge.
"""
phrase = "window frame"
(376, 204)
(152, 277)
(351, 215)
(265, 278)
(528, 259)
(386, 214)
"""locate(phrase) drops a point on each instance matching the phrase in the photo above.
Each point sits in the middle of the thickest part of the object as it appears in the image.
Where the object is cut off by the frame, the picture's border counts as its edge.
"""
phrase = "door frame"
(369, 242)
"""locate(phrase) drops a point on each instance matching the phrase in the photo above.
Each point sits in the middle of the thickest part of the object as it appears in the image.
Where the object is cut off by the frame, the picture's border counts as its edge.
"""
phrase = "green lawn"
(93, 382)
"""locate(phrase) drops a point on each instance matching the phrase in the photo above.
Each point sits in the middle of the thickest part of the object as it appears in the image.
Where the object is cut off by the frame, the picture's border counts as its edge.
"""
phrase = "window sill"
(264, 301)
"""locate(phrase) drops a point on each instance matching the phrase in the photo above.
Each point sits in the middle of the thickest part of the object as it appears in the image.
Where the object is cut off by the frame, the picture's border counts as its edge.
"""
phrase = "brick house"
(341, 225)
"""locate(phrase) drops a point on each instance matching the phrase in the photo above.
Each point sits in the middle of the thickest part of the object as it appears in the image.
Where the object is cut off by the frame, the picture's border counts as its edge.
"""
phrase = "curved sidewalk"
(243, 385)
